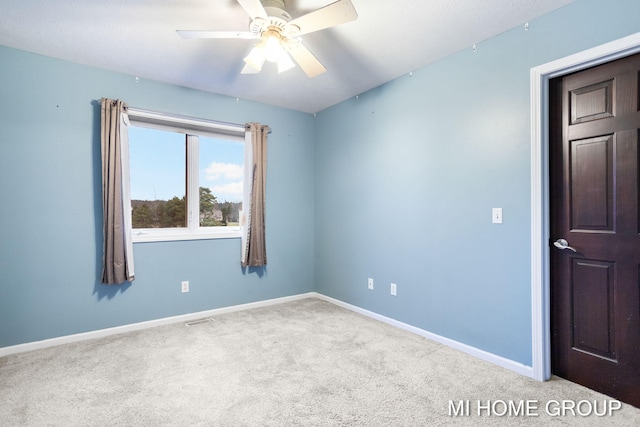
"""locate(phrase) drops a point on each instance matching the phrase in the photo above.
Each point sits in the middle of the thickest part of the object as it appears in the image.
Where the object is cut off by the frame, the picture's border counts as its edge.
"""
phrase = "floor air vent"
(199, 321)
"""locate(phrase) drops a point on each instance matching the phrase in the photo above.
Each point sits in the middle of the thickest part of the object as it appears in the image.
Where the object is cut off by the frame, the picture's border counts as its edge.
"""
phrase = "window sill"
(144, 236)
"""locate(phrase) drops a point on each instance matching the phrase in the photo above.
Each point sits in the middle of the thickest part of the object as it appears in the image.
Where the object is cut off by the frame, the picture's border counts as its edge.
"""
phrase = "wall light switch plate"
(496, 215)
(394, 289)
(370, 283)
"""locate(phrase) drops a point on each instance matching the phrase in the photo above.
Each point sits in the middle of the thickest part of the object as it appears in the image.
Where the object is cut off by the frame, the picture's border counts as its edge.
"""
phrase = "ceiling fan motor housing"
(279, 7)
(278, 18)
(275, 10)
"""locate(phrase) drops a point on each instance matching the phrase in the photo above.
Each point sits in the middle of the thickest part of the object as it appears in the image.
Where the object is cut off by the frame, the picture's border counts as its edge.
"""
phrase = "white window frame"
(192, 127)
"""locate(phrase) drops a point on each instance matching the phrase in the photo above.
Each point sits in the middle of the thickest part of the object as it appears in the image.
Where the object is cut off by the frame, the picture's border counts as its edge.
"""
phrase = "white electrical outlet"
(394, 289)
(370, 283)
(185, 286)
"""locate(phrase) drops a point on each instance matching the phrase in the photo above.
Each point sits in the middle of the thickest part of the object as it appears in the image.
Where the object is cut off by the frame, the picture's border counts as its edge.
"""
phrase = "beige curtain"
(117, 265)
(254, 251)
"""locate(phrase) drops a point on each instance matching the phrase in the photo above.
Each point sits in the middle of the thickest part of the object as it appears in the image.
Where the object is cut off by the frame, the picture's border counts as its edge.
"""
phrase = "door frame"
(540, 266)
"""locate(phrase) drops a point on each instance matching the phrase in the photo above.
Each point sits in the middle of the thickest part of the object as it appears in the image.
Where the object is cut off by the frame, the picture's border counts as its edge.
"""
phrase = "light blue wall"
(407, 175)
(51, 213)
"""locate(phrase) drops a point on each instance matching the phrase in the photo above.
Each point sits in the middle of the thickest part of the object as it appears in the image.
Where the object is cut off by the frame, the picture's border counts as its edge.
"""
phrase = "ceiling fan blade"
(254, 9)
(334, 14)
(305, 59)
(187, 34)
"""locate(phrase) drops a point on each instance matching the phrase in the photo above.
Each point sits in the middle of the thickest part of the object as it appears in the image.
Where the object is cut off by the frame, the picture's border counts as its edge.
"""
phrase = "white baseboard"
(473, 351)
(480, 354)
(37, 345)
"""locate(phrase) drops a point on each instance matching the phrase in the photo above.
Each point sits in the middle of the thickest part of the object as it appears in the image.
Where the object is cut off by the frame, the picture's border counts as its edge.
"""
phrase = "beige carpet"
(305, 363)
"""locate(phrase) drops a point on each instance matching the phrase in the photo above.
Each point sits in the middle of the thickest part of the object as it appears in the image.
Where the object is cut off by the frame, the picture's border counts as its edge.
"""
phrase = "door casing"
(540, 281)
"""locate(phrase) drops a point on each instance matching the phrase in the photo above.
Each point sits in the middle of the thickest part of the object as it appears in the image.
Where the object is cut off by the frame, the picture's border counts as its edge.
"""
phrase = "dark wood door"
(594, 173)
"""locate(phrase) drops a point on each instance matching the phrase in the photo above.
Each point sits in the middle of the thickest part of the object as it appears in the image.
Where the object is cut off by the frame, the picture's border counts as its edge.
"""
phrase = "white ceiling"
(137, 37)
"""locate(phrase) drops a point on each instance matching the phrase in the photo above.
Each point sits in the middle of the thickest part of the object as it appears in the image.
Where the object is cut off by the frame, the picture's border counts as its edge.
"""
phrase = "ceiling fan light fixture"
(269, 49)
(272, 46)
(285, 63)
(256, 57)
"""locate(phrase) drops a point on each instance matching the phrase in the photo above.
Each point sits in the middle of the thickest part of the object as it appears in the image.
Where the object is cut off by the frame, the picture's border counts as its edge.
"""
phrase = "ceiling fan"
(279, 35)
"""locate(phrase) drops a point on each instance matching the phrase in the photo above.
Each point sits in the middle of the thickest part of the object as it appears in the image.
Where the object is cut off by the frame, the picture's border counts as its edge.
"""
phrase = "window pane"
(158, 178)
(221, 176)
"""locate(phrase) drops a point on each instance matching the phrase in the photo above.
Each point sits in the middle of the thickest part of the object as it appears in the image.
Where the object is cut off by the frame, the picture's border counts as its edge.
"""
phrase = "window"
(186, 177)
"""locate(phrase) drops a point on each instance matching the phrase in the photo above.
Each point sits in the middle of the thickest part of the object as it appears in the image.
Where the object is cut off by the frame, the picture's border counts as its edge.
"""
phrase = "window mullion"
(193, 194)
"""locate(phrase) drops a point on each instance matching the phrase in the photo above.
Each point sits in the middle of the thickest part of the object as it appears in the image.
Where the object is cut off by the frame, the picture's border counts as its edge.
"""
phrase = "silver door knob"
(563, 244)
